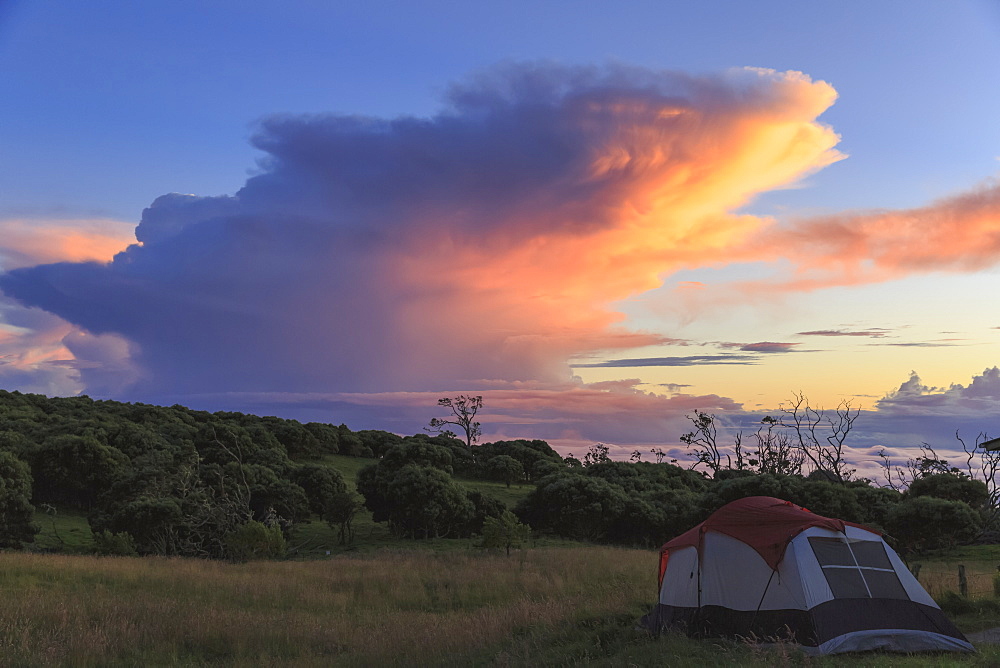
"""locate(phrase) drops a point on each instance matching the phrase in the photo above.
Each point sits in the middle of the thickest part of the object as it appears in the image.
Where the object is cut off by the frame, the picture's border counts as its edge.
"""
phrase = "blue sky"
(109, 105)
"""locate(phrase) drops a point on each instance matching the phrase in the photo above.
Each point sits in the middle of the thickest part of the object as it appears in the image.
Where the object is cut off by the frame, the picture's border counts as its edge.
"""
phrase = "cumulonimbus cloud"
(488, 242)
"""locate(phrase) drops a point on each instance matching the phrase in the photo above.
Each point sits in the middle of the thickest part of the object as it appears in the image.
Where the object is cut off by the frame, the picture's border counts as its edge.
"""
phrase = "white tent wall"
(682, 577)
(752, 585)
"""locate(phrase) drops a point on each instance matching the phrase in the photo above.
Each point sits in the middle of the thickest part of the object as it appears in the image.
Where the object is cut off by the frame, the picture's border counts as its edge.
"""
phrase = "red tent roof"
(764, 523)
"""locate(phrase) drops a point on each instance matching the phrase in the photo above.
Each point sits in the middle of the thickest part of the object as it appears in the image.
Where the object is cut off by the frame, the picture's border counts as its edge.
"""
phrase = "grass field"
(387, 601)
(553, 606)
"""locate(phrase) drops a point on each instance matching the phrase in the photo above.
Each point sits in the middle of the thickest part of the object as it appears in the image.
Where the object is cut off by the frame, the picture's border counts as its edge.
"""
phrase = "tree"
(72, 470)
(320, 483)
(504, 532)
(255, 540)
(418, 501)
(981, 467)
(339, 514)
(783, 446)
(925, 523)
(821, 436)
(951, 487)
(463, 415)
(775, 452)
(574, 505)
(505, 469)
(426, 503)
(16, 512)
(703, 442)
(597, 454)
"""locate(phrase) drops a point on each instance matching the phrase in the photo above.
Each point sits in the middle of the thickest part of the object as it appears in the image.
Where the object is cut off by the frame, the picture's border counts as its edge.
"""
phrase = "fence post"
(963, 584)
(915, 569)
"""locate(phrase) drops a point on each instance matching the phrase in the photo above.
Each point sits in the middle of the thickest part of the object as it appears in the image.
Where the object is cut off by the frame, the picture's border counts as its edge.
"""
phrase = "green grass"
(63, 530)
(498, 490)
(347, 466)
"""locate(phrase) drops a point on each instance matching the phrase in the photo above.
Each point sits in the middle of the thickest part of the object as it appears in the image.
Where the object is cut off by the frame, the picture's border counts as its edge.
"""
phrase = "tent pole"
(761, 601)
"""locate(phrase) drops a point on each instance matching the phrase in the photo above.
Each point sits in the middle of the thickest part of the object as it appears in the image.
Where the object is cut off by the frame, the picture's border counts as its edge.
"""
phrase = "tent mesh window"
(857, 568)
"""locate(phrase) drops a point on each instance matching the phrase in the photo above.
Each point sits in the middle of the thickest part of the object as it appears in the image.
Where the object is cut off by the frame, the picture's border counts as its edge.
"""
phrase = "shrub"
(951, 487)
(504, 532)
(119, 544)
(927, 523)
(255, 540)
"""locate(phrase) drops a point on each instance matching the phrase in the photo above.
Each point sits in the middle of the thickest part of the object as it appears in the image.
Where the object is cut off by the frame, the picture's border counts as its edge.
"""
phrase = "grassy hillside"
(557, 606)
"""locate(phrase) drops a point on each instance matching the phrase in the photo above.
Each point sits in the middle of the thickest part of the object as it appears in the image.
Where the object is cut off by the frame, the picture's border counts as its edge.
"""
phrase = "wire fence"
(972, 579)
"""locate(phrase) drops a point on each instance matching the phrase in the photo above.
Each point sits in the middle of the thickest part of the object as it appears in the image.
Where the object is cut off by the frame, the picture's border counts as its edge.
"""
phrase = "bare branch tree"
(703, 442)
(463, 415)
(895, 478)
(820, 436)
(984, 465)
(775, 452)
(929, 463)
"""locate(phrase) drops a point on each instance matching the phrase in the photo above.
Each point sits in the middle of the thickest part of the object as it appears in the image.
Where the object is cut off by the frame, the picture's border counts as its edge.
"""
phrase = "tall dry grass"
(390, 608)
(940, 577)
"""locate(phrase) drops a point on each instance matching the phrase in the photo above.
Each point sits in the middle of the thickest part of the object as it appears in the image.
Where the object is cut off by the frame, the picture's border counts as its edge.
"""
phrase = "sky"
(601, 217)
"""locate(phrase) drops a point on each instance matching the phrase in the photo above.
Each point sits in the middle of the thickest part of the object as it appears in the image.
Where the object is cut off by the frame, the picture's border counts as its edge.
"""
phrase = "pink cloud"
(956, 234)
(40, 352)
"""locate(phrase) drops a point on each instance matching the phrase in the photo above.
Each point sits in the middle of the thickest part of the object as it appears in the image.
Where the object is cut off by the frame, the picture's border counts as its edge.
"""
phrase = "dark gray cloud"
(920, 344)
(690, 360)
(875, 332)
(979, 399)
(764, 347)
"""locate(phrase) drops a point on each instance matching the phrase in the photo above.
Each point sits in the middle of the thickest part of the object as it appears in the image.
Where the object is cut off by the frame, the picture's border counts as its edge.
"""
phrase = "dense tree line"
(174, 481)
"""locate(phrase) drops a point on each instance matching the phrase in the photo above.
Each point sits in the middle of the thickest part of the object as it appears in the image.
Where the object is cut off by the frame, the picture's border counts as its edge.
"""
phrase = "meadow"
(383, 600)
(543, 606)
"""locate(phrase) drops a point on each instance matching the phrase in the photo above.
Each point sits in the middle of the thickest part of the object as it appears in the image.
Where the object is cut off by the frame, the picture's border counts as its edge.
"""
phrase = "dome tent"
(767, 569)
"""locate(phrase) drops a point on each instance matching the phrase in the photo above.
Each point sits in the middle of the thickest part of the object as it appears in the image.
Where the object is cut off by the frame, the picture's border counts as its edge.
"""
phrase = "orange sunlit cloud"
(653, 194)
(957, 234)
(36, 347)
(25, 242)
